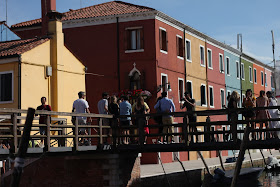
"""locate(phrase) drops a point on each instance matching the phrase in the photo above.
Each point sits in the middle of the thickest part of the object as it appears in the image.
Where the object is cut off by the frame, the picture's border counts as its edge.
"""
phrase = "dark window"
(203, 95)
(164, 83)
(221, 63)
(265, 79)
(222, 98)
(181, 89)
(237, 70)
(189, 88)
(135, 39)
(202, 60)
(163, 39)
(262, 77)
(228, 64)
(211, 95)
(6, 87)
(255, 75)
(209, 55)
(180, 51)
(188, 50)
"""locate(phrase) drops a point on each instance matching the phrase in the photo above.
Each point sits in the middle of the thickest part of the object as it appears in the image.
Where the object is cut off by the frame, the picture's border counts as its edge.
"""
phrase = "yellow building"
(196, 78)
(37, 67)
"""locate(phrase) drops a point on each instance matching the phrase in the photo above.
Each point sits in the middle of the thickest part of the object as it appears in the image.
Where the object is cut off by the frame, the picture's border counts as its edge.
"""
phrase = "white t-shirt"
(80, 106)
(101, 105)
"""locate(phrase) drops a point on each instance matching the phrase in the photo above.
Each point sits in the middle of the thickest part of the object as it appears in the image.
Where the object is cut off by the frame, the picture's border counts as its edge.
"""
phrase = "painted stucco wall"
(11, 67)
(258, 85)
(231, 80)
(268, 80)
(246, 84)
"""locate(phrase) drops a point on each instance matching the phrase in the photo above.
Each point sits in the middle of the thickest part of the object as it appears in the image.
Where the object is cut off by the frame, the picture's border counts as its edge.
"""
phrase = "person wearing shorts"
(125, 109)
(81, 106)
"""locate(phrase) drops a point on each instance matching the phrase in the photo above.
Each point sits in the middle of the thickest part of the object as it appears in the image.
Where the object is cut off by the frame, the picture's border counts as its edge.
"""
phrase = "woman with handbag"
(249, 102)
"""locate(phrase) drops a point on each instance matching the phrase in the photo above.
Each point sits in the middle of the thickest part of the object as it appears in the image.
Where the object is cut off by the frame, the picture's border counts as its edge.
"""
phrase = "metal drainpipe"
(184, 53)
(118, 55)
(19, 82)
(206, 66)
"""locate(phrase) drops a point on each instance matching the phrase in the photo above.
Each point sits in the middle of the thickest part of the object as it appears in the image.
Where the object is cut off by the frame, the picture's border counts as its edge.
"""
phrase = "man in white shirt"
(81, 106)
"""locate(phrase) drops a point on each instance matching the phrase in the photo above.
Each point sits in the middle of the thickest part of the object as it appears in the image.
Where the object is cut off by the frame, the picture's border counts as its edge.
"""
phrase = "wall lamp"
(163, 85)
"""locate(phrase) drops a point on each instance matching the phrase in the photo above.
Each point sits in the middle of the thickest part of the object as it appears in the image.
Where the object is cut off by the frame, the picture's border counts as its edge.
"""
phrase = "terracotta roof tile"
(104, 9)
(18, 47)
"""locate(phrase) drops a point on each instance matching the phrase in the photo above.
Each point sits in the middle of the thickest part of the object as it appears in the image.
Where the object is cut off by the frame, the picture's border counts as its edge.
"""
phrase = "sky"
(220, 19)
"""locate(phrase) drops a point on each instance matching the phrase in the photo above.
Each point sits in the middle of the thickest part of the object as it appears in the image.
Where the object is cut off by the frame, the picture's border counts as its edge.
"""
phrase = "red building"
(128, 46)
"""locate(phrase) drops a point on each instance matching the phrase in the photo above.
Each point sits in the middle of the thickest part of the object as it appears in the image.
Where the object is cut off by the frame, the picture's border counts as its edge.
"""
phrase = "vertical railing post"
(207, 128)
(76, 133)
(141, 124)
(185, 130)
(234, 126)
(114, 132)
(48, 133)
(212, 139)
(224, 134)
(15, 142)
(100, 131)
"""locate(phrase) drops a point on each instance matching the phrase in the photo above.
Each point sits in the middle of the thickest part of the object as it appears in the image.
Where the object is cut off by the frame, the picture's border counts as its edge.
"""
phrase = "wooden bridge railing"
(66, 135)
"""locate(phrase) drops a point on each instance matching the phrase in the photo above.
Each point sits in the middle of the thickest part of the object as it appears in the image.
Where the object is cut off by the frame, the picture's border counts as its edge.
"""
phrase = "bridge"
(63, 137)
(62, 140)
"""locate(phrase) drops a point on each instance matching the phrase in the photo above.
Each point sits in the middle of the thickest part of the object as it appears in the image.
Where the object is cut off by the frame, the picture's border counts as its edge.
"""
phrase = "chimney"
(56, 54)
(47, 6)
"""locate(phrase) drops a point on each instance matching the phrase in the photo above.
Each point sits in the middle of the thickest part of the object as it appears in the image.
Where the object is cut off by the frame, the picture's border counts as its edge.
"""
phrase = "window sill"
(202, 65)
(204, 105)
(6, 102)
(256, 83)
(134, 50)
(212, 107)
(210, 68)
(189, 60)
(165, 52)
(228, 75)
(181, 58)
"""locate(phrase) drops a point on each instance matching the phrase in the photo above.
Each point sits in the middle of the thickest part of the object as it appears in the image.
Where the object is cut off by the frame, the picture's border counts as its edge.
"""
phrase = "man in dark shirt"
(189, 103)
(43, 118)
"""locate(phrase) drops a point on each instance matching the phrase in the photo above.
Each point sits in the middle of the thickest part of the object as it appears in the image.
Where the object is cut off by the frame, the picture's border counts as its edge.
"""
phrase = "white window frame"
(250, 74)
(165, 75)
(237, 64)
(210, 67)
(180, 79)
(242, 72)
(211, 87)
(262, 78)
(221, 97)
(189, 60)
(205, 105)
(228, 66)
(7, 72)
(265, 79)
(223, 69)
(165, 52)
(191, 87)
(201, 46)
(255, 76)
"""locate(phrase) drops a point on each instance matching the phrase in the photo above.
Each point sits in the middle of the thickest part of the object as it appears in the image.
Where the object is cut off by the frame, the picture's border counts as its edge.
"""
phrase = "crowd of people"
(164, 106)
(249, 102)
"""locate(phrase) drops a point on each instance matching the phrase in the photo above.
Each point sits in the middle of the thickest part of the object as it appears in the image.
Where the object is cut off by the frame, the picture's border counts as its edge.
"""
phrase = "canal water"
(271, 179)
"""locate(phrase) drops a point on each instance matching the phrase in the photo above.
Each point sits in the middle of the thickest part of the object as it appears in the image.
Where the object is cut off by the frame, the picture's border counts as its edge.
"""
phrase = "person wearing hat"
(189, 103)
(81, 106)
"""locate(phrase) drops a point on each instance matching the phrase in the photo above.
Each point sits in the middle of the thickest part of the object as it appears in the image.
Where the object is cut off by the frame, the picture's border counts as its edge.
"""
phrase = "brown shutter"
(142, 38)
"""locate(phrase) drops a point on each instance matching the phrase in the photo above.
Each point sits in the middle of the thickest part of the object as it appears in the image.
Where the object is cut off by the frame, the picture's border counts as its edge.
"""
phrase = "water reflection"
(270, 179)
